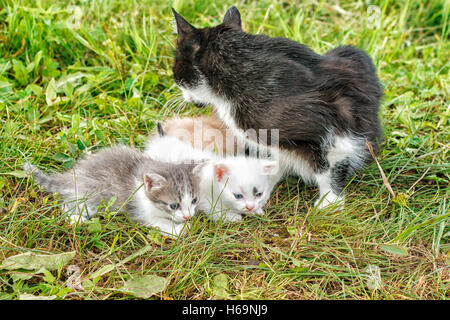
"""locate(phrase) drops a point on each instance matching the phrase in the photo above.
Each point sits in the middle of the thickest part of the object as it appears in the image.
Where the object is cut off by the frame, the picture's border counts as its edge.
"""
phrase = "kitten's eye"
(258, 194)
(174, 206)
(194, 201)
(238, 195)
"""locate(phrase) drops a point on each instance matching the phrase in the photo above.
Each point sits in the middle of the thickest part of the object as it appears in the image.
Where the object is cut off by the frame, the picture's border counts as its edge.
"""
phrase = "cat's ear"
(197, 169)
(269, 167)
(221, 172)
(153, 181)
(233, 18)
(183, 27)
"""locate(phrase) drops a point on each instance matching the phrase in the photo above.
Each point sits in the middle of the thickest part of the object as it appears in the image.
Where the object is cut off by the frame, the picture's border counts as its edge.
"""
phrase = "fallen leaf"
(74, 281)
(17, 173)
(26, 296)
(37, 262)
(144, 286)
(394, 249)
(373, 277)
(220, 286)
(50, 92)
(94, 225)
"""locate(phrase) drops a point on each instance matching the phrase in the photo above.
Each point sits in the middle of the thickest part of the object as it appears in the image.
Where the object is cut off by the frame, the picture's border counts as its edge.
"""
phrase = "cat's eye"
(194, 201)
(258, 194)
(238, 196)
(174, 206)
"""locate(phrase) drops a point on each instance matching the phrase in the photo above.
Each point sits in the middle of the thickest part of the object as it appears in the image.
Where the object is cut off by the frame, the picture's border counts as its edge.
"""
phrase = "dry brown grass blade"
(423, 175)
(383, 176)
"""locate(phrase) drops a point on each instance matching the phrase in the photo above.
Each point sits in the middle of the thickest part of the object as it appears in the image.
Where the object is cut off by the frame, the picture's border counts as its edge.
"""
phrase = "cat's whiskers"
(175, 104)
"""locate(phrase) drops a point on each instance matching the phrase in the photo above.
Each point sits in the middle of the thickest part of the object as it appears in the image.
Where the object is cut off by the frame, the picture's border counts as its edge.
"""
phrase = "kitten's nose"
(186, 217)
(249, 207)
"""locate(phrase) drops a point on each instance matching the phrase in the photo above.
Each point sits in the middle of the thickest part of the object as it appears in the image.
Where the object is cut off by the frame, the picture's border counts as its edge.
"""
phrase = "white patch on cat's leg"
(327, 196)
(75, 215)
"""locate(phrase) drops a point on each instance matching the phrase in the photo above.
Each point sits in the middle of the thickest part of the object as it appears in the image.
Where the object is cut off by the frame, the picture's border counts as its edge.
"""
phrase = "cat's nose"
(186, 217)
(249, 207)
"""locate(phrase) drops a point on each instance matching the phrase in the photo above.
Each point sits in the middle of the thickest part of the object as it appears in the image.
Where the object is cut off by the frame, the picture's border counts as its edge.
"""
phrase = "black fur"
(160, 129)
(276, 83)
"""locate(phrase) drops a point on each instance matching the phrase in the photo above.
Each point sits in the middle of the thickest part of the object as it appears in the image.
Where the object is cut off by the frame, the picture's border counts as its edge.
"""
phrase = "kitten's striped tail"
(41, 178)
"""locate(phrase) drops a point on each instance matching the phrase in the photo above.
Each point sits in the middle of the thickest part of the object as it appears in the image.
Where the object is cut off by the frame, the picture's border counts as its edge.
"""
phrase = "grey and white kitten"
(153, 193)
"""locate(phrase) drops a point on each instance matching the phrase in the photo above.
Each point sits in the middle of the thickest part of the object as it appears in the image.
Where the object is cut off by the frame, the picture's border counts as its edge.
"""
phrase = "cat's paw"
(332, 202)
(181, 229)
(76, 219)
(260, 212)
(225, 216)
(232, 217)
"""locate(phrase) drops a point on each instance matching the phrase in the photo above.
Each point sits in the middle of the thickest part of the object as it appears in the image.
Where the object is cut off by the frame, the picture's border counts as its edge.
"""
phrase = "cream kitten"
(203, 132)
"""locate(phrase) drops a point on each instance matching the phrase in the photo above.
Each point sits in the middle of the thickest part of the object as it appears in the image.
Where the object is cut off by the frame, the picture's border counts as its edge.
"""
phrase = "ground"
(76, 76)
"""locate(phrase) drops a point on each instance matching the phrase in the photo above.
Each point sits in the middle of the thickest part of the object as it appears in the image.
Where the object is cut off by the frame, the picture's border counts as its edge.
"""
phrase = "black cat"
(324, 106)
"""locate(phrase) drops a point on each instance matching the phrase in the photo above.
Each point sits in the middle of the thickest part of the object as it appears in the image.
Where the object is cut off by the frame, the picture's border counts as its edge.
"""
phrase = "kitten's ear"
(269, 167)
(197, 169)
(233, 18)
(183, 27)
(160, 129)
(221, 172)
(153, 181)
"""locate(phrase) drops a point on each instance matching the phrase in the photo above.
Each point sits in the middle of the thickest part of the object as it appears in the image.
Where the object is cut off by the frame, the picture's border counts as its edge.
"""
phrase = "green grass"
(69, 86)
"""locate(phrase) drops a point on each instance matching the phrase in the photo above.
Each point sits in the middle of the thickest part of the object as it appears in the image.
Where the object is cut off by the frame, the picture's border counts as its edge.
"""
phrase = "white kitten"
(229, 186)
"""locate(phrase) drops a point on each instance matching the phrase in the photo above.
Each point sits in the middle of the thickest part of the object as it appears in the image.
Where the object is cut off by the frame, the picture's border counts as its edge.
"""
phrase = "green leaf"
(50, 92)
(155, 236)
(62, 157)
(37, 60)
(94, 225)
(81, 145)
(109, 267)
(129, 83)
(75, 123)
(51, 68)
(16, 173)
(220, 286)
(103, 270)
(87, 284)
(16, 276)
(48, 277)
(395, 249)
(144, 286)
(99, 134)
(20, 72)
(37, 262)
(34, 88)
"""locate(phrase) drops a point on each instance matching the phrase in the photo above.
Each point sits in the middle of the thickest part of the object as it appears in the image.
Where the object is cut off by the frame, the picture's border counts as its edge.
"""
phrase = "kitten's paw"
(334, 202)
(180, 229)
(76, 219)
(260, 212)
(228, 216)
(232, 217)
